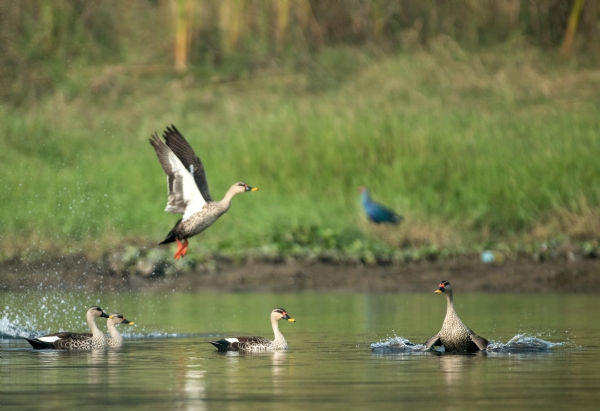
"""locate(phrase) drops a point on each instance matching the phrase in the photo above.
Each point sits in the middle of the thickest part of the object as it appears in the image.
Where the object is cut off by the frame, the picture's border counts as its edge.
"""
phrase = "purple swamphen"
(376, 212)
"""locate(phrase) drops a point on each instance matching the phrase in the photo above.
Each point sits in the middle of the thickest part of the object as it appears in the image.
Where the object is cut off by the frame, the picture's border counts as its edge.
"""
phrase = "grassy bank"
(475, 149)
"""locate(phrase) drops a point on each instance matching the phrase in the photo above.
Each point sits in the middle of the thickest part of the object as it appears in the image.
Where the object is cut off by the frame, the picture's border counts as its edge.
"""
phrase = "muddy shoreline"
(523, 275)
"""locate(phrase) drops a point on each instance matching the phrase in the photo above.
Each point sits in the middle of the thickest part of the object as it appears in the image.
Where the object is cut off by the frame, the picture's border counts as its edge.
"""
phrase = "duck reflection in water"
(456, 368)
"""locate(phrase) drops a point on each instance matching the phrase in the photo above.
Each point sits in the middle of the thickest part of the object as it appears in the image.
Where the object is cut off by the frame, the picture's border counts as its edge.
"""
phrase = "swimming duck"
(74, 341)
(257, 344)
(454, 335)
(188, 189)
(115, 339)
(376, 212)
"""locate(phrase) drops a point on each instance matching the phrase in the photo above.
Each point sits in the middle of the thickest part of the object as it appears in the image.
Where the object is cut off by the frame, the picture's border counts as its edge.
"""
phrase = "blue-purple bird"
(376, 212)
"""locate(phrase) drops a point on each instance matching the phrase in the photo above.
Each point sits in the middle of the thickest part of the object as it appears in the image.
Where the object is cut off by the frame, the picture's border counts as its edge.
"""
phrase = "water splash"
(10, 330)
(28, 316)
(524, 343)
(396, 344)
(31, 314)
(520, 343)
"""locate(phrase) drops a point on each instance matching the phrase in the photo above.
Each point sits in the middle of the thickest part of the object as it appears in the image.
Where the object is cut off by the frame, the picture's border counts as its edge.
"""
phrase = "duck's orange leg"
(178, 254)
(184, 248)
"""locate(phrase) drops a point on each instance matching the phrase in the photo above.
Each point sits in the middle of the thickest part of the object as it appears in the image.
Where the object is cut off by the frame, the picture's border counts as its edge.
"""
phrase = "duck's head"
(117, 318)
(280, 314)
(96, 312)
(242, 187)
(444, 287)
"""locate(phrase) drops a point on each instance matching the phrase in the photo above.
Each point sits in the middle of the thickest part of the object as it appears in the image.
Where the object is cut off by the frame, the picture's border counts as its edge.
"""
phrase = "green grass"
(472, 148)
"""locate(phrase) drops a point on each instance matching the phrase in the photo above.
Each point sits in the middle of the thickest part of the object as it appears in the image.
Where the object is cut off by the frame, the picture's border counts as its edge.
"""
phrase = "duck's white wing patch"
(184, 195)
(193, 207)
(49, 339)
(232, 340)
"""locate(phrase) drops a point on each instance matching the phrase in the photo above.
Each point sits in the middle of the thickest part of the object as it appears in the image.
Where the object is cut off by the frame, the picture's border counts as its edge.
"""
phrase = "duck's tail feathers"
(170, 239)
(171, 236)
(39, 345)
(221, 345)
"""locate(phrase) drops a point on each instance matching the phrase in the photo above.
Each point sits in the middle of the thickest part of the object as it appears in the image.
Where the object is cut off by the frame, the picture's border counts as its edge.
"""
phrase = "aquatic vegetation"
(445, 138)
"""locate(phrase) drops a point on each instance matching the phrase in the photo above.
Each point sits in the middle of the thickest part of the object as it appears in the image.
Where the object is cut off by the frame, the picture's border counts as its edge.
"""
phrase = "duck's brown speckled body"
(188, 189)
(75, 341)
(257, 344)
(455, 336)
(199, 221)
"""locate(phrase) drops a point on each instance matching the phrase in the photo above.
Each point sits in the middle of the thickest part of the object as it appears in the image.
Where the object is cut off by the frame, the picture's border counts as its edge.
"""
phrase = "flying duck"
(188, 189)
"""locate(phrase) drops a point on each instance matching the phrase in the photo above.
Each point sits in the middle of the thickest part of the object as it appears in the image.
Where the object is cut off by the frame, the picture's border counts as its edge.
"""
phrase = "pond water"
(167, 364)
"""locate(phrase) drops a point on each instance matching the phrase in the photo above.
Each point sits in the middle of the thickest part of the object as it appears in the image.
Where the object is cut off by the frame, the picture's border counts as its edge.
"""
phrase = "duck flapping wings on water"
(455, 336)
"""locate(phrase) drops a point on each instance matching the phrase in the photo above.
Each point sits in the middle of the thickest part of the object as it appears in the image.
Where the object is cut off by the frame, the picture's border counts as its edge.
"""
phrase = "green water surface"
(167, 364)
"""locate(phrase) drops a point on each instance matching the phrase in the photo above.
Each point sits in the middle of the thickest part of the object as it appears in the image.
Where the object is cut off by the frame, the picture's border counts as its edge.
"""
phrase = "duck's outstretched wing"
(184, 196)
(433, 341)
(480, 342)
(188, 158)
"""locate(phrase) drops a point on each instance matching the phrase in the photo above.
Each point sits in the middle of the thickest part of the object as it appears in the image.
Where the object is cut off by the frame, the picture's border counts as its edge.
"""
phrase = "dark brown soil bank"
(525, 275)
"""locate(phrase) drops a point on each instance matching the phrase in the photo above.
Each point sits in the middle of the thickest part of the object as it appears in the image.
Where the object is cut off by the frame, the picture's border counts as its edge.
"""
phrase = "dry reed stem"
(571, 27)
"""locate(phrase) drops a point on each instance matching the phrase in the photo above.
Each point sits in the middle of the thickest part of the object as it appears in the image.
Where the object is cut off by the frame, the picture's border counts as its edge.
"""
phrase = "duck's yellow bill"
(291, 320)
(254, 189)
(437, 292)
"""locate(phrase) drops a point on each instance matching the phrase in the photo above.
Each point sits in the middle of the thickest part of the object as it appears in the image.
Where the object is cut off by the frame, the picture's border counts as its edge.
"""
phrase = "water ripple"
(518, 343)
(9, 330)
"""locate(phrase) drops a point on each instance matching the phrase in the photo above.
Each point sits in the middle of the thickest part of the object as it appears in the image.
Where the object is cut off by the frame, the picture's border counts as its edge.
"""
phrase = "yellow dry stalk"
(282, 15)
(571, 27)
(377, 16)
(231, 17)
(183, 10)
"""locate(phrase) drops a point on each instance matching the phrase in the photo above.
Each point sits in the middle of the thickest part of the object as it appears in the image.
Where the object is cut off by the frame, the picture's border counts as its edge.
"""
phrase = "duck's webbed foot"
(184, 248)
(180, 247)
